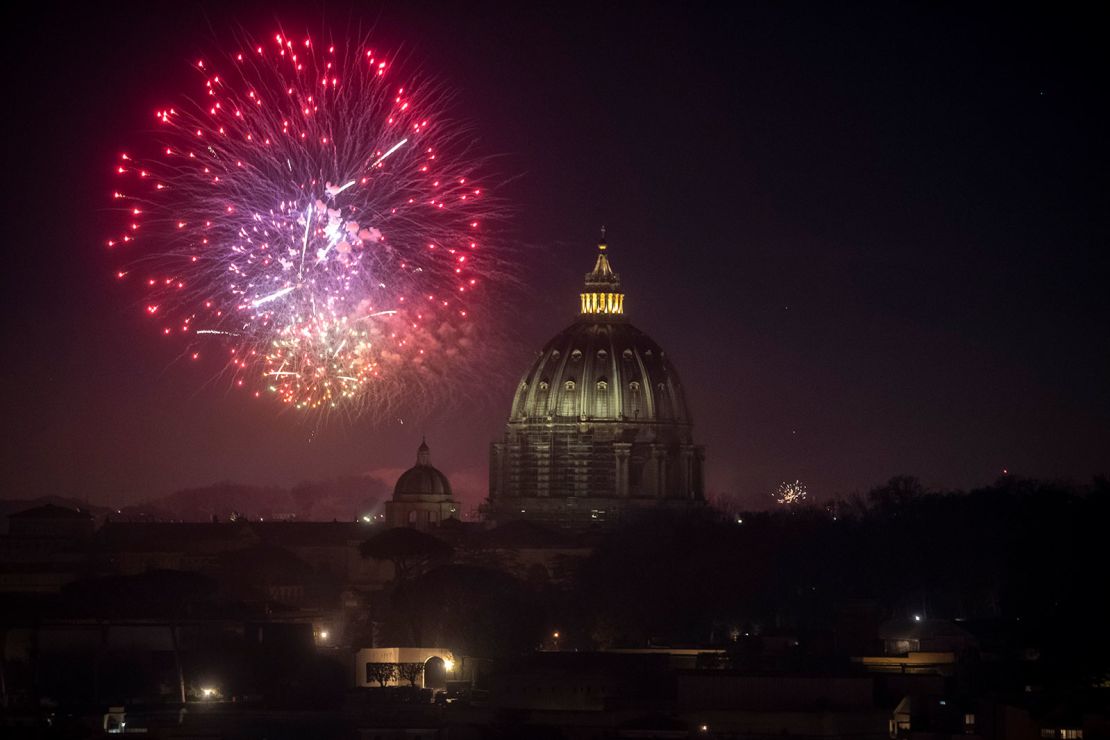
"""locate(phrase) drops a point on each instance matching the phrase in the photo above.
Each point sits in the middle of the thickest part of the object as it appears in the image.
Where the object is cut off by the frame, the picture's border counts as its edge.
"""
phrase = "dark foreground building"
(599, 424)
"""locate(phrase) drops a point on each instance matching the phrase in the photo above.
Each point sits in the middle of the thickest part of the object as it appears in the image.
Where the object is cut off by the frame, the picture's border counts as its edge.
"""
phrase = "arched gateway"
(436, 665)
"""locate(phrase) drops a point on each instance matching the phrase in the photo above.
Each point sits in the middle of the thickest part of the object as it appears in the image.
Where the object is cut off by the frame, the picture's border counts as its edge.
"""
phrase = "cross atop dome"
(603, 294)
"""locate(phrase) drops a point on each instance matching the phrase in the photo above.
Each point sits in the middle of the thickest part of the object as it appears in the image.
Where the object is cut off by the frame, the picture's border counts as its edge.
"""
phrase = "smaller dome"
(422, 481)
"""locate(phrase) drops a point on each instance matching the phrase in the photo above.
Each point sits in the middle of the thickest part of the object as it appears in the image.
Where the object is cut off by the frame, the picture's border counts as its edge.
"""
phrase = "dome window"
(576, 355)
(634, 386)
(544, 385)
(602, 384)
(627, 354)
(555, 354)
(569, 385)
(661, 387)
(602, 354)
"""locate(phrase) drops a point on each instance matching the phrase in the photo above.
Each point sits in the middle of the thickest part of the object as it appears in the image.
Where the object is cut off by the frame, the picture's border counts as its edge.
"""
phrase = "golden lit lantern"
(603, 286)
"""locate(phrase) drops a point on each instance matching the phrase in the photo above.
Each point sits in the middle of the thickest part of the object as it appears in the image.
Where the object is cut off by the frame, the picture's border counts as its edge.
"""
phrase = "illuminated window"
(576, 355)
(555, 355)
(602, 384)
(544, 385)
(634, 387)
(627, 354)
(1071, 734)
(607, 303)
(569, 385)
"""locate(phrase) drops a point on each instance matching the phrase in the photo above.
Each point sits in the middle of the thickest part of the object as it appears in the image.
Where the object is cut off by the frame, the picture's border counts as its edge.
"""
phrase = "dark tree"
(662, 578)
(383, 673)
(410, 551)
(896, 492)
(473, 610)
(161, 594)
(410, 672)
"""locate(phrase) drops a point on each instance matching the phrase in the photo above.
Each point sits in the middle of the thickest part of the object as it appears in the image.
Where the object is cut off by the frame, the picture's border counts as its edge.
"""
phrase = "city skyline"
(868, 240)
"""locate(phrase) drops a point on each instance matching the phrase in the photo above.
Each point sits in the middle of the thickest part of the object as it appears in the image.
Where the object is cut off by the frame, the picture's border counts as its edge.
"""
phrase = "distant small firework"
(316, 224)
(789, 494)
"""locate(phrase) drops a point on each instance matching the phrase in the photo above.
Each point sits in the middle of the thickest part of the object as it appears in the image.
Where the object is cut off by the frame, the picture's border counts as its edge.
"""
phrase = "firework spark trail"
(273, 296)
(353, 295)
(392, 149)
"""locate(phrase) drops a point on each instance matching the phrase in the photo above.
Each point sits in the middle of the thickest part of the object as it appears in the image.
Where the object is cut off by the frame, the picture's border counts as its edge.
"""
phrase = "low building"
(45, 548)
(527, 550)
(431, 667)
(920, 635)
(811, 706)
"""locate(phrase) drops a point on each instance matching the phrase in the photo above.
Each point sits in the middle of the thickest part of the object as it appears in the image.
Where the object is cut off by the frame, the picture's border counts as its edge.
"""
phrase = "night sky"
(873, 239)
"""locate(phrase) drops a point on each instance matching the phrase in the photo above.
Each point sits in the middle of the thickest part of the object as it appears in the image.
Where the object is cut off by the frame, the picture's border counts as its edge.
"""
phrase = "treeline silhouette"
(1022, 551)
(1021, 562)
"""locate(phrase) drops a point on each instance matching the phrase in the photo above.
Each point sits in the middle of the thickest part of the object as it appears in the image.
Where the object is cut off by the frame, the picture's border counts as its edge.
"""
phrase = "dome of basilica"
(599, 423)
(598, 371)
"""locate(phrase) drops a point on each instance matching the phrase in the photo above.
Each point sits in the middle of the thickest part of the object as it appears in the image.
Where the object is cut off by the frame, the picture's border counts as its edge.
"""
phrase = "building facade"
(599, 423)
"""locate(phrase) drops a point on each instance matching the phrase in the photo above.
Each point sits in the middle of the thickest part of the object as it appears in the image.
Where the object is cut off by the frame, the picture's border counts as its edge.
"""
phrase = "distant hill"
(342, 499)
